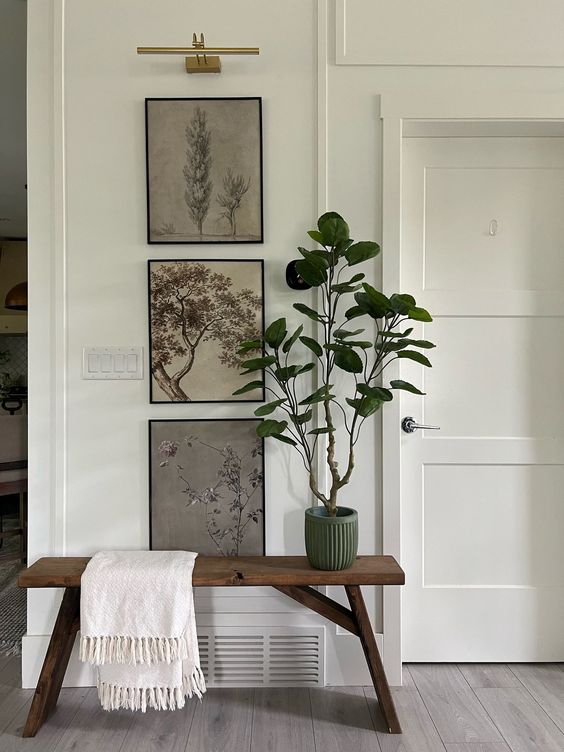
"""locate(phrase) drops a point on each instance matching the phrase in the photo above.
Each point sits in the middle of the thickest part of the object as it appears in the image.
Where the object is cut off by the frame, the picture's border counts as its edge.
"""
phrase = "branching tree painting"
(193, 309)
(231, 502)
(197, 169)
(234, 187)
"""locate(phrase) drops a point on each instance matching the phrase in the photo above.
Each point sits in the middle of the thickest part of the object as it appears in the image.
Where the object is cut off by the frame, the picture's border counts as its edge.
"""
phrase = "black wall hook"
(293, 279)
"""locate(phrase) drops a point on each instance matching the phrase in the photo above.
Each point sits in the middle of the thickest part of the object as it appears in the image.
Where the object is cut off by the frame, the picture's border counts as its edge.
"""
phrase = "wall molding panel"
(441, 32)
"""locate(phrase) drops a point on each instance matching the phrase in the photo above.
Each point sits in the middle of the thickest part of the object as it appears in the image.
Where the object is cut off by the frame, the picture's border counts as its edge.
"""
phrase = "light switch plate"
(112, 363)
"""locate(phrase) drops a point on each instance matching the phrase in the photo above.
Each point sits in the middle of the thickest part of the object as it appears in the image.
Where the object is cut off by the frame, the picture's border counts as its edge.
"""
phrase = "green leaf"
(318, 431)
(343, 288)
(416, 356)
(313, 345)
(362, 251)
(354, 312)
(276, 333)
(365, 406)
(256, 364)
(341, 246)
(367, 306)
(386, 346)
(252, 344)
(307, 311)
(305, 368)
(419, 314)
(302, 418)
(362, 343)
(406, 386)
(327, 256)
(344, 333)
(423, 343)
(317, 258)
(284, 439)
(386, 335)
(399, 304)
(313, 274)
(287, 372)
(250, 387)
(377, 299)
(270, 407)
(319, 395)
(316, 235)
(333, 228)
(290, 342)
(271, 427)
(348, 360)
(377, 392)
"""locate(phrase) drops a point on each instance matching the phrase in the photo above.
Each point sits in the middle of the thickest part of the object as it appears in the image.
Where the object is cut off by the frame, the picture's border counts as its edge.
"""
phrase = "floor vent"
(262, 656)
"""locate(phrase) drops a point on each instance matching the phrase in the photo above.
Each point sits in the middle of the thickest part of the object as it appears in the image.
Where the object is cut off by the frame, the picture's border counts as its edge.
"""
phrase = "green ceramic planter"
(331, 542)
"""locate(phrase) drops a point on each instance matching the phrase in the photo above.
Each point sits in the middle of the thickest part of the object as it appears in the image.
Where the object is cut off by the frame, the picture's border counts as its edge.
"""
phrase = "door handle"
(408, 425)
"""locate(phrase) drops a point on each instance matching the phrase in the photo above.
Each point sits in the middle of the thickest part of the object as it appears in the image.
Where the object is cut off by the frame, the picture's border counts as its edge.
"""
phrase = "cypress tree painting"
(204, 170)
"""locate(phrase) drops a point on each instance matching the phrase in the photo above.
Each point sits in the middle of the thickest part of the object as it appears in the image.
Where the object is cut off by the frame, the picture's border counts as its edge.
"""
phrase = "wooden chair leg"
(373, 659)
(55, 663)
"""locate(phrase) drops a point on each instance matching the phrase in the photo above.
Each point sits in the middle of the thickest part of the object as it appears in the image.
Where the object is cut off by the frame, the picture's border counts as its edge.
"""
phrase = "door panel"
(482, 503)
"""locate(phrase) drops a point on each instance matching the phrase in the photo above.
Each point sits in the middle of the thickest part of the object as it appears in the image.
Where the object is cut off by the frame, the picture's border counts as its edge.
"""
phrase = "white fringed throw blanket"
(138, 627)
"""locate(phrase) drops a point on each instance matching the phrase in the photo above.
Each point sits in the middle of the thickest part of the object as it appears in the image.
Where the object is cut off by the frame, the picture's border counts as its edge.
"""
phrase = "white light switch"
(112, 362)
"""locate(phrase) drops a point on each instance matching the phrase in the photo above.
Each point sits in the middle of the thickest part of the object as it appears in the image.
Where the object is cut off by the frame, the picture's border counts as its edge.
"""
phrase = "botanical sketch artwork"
(207, 487)
(199, 312)
(204, 170)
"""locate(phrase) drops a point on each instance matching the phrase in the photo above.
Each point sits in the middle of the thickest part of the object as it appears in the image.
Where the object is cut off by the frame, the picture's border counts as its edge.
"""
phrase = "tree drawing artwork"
(192, 309)
(234, 187)
(197, 169)
(229, 504)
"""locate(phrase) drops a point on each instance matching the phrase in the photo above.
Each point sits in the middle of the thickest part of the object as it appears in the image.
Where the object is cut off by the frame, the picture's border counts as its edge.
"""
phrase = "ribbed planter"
(331, 542)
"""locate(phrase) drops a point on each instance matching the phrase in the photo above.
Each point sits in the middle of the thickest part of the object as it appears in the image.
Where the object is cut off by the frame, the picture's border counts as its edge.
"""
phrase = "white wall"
(88, 439)
(88, 450)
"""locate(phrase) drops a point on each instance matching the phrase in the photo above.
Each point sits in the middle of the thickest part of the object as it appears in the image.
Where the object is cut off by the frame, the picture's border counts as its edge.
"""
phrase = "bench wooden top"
(218, 571)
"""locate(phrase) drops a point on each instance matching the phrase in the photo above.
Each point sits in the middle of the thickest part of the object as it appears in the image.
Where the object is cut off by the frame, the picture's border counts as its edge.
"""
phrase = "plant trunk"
(171, 387)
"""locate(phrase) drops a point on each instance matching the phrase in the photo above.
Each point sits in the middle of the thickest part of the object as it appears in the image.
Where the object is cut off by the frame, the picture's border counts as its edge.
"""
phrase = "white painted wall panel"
(450, 32)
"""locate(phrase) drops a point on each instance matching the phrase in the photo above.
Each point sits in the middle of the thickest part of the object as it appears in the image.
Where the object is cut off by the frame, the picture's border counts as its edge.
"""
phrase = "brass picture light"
(199, 58)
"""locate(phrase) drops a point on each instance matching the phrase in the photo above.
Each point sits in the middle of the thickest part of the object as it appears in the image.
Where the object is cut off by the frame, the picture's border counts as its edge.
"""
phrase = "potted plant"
(331, 530)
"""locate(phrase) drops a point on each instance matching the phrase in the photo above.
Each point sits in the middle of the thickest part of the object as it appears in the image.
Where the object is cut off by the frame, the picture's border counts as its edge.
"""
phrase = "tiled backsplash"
(15, 361)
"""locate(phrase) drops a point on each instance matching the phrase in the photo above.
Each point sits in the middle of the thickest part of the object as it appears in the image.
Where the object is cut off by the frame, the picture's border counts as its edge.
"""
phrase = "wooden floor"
(442, 708)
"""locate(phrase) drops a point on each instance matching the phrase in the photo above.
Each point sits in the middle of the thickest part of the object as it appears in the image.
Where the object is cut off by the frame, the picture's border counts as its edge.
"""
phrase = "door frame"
(397, 110)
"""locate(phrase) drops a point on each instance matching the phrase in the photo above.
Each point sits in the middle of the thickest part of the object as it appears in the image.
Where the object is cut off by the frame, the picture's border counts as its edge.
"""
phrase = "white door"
(482, 248)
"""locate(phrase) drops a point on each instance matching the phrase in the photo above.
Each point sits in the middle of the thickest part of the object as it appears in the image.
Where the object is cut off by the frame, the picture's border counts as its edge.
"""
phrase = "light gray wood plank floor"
(442, 708)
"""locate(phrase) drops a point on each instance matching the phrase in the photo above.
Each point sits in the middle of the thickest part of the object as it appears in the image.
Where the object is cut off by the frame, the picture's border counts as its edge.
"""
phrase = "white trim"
(322, 185)
(47, 278)
(391, 490)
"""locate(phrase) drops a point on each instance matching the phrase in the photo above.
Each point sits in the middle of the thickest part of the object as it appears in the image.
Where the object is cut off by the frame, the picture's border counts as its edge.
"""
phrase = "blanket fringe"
(132, 650)
(115, 697)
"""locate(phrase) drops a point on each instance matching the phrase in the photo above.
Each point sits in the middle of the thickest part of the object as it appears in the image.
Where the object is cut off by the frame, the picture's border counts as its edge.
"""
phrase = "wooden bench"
(291, 575)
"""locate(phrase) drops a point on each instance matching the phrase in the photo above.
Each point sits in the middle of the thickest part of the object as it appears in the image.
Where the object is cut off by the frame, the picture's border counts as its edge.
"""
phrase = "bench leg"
(373, 659)
(55, 663)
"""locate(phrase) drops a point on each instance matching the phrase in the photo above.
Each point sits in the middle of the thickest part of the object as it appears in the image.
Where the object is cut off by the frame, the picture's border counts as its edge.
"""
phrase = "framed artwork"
(207, 487)
(199, 312)
(204, 170)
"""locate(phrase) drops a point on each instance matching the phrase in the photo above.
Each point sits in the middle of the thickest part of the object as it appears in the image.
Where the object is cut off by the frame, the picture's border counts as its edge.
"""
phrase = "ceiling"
(13, 198)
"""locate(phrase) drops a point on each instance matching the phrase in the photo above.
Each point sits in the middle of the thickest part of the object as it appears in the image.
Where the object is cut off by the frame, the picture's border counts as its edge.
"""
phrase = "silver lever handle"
(408, 425)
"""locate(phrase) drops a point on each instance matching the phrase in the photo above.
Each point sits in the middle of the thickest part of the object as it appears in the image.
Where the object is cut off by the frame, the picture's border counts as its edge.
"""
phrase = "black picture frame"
(237, 381)
(175, 518)
(235, 151)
